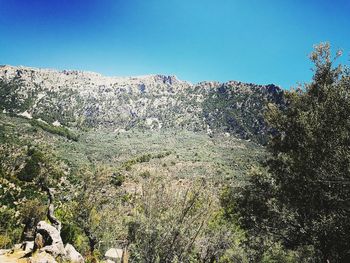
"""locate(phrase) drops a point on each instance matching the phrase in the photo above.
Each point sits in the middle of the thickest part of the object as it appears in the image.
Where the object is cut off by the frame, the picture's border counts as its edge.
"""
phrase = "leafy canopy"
(301, 196)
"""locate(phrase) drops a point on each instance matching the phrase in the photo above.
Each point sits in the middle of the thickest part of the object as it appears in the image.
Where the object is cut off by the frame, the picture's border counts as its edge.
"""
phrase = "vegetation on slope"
(151, 103)
(239, 109)
(62, 131)
(299, 197)
(107, 175)
(183, 193)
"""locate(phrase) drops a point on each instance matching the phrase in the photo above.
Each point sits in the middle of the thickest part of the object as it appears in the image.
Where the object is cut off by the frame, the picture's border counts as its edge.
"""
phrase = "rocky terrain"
(86, 99)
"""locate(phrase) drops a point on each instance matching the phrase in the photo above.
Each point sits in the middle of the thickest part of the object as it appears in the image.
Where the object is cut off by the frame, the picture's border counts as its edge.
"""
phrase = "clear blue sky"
(248, 40)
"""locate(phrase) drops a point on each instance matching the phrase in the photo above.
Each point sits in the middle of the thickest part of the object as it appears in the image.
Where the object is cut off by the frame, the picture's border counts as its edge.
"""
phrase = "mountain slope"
(90, 100)
(74, 131)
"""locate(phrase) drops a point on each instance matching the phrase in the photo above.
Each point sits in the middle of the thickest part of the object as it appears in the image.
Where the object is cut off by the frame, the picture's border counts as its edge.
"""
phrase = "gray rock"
(114, 254)
(72, 255)
(48, 239)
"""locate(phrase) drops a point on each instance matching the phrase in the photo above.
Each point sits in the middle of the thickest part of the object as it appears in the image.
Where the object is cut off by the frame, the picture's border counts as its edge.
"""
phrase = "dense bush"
(31, 212)
(300, 196)
(10, 229)
(32, 167)
(62, 131)
(118, 178)
(11, 99)
(178, 225)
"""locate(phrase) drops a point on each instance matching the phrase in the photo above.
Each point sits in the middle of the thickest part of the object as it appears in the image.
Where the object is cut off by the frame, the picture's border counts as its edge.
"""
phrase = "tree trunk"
(92, 241)
(92, 244)
(51, 210)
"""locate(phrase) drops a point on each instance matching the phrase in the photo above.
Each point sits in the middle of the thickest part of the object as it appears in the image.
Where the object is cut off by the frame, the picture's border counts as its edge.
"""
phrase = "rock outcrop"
(48, 246)
(48, 239)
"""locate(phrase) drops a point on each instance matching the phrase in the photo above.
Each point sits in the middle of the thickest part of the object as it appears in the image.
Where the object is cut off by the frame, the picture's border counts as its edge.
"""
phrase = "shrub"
(174, 225)
(300, 195)
(144, 158)
(32, 167)
(145, 174)
(5, 241)
(118, 179)
(62, 131)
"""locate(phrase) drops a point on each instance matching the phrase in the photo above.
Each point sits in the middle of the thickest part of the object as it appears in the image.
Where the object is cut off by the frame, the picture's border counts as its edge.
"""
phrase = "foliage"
(94, 211)
(24, 169)
(31, 212)
(11, 99)
(235, 108)
(300, 196)
(32, 167)
(5, 241)
(62, 131)
(176, 226)
(10, 231)
(118, 179)
(145, 174)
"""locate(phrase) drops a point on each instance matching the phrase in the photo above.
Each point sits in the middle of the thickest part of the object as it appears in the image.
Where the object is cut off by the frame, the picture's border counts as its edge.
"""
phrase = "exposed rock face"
(47, 244)
(48, 240)
(72, 255)
(75, 98)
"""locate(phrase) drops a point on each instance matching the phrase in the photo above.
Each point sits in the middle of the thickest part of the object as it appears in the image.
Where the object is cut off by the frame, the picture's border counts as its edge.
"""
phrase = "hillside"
(90, 100)
(101, 141)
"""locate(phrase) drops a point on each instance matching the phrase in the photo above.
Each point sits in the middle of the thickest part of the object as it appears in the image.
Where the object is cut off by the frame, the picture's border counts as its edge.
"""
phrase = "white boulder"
(72, 255)
(114, 254)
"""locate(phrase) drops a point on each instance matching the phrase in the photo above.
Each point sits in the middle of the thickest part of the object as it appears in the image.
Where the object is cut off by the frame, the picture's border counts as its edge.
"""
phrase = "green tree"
(170, 224)
(96, 210)
(300, 196)
(32, 211)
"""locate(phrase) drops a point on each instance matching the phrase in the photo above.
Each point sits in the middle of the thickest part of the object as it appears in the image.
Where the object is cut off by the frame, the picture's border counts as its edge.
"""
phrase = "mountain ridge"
(87, 99)
(145, 76)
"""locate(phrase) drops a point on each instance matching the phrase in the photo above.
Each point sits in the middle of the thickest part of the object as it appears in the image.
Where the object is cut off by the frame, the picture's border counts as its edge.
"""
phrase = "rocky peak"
(167, 79)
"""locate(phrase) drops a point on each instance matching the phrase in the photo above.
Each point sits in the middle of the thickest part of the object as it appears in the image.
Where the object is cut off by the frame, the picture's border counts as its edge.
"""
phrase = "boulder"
(72, 255)
(114, 254)
(48, 239)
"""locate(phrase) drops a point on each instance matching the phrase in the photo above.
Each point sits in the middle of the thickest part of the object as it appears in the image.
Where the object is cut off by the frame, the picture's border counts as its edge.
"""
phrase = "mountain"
(106, 143)
(79, 99)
